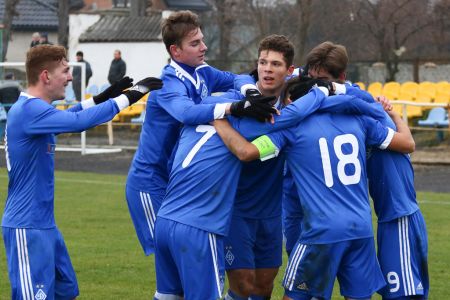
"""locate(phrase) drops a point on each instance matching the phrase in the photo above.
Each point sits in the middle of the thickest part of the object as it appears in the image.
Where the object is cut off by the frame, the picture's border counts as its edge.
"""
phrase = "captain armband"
(266, 148)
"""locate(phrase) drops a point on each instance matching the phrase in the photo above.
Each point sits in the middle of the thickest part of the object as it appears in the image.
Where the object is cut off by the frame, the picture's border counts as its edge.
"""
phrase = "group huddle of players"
(218, 181)
(204, 199)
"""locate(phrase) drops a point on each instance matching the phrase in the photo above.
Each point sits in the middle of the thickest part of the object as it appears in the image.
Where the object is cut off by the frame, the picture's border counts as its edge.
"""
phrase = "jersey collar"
(180, 70)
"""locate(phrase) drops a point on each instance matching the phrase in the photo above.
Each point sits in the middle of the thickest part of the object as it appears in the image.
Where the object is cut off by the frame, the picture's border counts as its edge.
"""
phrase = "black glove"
(252, 93)
(255, 107)
(114, 90)
(305, 84)
(143, 87)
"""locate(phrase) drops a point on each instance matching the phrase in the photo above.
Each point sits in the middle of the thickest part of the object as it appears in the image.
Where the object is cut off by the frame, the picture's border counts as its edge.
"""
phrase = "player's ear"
(291, 69)
(342, 76)
(45, 77)
(174, 50)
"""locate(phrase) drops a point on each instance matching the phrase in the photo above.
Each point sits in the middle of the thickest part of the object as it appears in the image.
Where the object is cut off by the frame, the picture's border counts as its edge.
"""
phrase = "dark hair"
(278, 43)
(80, 53)
(331, 57)
(177, 26)
(43, 57)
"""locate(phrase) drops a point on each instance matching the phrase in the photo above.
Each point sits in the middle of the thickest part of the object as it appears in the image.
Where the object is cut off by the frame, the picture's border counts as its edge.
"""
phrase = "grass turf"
(92, 214)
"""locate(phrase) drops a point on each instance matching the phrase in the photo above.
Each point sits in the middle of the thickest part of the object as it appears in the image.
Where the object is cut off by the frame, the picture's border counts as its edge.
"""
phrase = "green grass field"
(92, 214)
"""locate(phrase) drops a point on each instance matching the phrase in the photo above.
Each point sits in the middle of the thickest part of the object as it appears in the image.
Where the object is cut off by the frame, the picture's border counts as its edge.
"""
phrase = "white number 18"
(344, 159)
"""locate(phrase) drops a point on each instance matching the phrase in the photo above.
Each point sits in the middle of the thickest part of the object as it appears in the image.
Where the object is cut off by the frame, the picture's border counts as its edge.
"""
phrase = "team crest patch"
(40, 295)
(204, 91)
(302, 286)
(229, 257)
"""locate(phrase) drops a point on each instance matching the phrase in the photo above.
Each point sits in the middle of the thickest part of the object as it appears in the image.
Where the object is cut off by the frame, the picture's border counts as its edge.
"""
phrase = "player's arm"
(174, 99)
(402, 141)
(262, 147)
(235, 142)
(114, 90)
(43, 118)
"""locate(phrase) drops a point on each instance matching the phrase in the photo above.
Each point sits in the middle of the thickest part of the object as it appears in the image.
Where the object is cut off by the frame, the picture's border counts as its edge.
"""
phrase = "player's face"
(193, 49)
(320, 73)
(272, 72)
(58, 79)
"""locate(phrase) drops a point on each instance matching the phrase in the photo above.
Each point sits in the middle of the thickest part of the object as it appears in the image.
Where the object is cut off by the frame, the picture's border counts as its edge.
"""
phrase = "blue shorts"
(39, 266)
(254, 243)
(189, 261)
(143, 207)
(312, 270)
(402, 253)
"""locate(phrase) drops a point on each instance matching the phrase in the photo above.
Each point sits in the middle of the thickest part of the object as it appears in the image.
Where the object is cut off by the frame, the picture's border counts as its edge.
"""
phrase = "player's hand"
(387, 105)
(305, 84)
(252, 93)
(113, 90)
(259, 108)
(141, 88)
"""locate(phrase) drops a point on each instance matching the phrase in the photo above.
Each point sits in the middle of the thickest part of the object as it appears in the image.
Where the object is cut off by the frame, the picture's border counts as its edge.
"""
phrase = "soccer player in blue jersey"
(196, 211)
(326, 154)
(39, 266)
(253, 247)
(187, 81)
(401, 236)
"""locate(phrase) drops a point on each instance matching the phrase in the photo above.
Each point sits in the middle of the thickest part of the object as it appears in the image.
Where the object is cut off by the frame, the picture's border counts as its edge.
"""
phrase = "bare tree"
(392, 25)
(63, 22)
(8, 16)
(304, 8)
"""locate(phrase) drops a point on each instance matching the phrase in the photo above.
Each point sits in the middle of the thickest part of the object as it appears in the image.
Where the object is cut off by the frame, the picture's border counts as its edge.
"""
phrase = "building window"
(121, 3)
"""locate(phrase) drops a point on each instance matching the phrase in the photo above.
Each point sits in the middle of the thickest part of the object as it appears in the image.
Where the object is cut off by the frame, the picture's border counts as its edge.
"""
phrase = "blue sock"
(232, 296)
(255, 297)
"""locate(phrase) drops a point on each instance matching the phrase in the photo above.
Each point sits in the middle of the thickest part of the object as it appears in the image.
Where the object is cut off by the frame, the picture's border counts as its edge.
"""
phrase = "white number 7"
(210, 131)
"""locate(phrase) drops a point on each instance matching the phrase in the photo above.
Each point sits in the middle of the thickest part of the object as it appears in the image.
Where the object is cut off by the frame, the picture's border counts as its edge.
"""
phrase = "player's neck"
(38, 92)
(270, 92)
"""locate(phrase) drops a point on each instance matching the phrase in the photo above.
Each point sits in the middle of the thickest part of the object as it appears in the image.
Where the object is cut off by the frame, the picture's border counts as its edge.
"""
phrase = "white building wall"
(142, 59)
(20, 44)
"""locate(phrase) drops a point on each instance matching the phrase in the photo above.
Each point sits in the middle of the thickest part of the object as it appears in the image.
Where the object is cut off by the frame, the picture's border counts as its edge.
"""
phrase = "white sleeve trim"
(122, 101)
(219, 110)
(388, 139)
(85, 104)
(339, 88)
(248, 86)
(324, 90)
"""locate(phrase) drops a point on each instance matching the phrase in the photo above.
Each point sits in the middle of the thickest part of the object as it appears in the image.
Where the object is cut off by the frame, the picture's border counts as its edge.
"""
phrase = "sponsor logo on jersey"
(419, 286)
(40, 295)
(229, 257)
(302, 286)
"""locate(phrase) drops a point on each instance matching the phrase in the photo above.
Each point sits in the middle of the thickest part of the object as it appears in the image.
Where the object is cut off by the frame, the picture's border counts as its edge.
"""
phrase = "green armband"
(266, 148)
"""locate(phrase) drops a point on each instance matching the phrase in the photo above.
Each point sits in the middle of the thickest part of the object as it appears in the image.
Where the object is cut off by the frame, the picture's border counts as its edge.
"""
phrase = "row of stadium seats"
(424, 92)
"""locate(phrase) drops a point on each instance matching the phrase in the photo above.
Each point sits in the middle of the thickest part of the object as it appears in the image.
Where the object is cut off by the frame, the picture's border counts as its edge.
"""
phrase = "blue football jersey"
(167, 110)
(392, 186)
(327, 158)
(203, 180)
(30, 147)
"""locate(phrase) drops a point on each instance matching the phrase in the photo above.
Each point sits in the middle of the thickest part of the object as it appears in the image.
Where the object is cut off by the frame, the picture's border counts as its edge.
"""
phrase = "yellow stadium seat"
(442, 92)
(361, 85)
(375, 88)
(426, 92)
(408, 91)
(391, 90)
